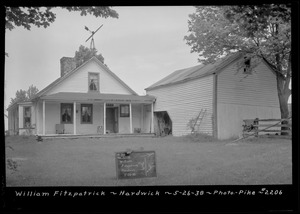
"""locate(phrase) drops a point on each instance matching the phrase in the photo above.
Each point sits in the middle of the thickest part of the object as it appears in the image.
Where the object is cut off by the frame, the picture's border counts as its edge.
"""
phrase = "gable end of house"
(67, 64)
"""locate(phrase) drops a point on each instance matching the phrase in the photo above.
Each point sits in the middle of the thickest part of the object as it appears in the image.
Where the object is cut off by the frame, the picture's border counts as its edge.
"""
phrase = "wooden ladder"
(200, 117)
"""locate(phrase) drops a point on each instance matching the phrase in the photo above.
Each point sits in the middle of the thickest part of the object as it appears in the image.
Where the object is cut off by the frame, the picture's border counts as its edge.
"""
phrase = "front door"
(112, 120)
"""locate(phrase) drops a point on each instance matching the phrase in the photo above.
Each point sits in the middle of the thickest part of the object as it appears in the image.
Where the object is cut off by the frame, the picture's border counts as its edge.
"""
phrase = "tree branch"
(256, 42)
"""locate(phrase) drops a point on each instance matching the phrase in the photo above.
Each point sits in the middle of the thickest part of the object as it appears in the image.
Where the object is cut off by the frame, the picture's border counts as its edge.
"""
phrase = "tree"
(263, 31)
(23, 95)
(31, 92)
(84, 54)
(20, 96)
(43, 16)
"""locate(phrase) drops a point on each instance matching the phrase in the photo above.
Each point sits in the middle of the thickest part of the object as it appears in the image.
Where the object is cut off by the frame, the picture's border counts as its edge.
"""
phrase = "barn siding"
(230, 121)
(245, 97)
(78, 82)
(184, 101)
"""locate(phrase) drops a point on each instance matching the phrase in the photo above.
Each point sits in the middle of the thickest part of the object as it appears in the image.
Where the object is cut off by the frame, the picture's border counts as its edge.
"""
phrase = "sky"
(142, 46)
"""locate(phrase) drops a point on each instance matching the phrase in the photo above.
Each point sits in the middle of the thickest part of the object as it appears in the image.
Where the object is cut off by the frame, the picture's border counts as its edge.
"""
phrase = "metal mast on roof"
(92, 45)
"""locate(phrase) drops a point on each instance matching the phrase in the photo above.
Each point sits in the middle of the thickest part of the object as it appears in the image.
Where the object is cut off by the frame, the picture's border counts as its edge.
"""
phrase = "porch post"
(104, 118)
(130, 118)
(142, 118)
(152, 126)
(44, 115)
(36, 118)
(74, 118)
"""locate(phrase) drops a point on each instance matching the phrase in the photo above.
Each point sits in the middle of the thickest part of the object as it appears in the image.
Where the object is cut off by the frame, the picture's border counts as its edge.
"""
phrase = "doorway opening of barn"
(162, 123)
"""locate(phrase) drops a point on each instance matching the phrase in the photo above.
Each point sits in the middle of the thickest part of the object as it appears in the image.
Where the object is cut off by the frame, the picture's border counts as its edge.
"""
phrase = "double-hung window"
(124, 110)
(87, 113)
(27, 117)
(66, 113)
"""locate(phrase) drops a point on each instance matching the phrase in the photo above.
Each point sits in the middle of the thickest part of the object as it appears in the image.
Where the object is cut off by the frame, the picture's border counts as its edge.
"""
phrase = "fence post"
(256, 127)
(285, 122)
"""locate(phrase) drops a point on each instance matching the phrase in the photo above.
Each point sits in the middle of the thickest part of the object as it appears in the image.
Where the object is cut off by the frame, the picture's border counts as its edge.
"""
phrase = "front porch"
(93, 115)
(112, 135)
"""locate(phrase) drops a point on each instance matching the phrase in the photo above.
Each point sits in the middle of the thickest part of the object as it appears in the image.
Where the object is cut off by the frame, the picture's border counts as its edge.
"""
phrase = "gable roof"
(197, 71)
(60, 79)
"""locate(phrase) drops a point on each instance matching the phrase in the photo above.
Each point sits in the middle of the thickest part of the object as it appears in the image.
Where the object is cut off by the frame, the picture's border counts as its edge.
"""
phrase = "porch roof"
(117, 98)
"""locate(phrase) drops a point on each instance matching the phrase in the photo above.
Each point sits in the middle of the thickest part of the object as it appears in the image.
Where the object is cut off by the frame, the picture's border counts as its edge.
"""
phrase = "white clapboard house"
(222, 94)
(87, 100)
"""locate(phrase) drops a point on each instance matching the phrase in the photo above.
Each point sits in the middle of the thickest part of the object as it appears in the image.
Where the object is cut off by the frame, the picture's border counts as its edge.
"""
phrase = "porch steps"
(71, 136)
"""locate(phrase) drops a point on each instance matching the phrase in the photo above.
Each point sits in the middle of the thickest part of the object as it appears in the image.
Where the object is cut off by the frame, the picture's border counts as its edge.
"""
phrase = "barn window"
(66, 113)
(124, 110)
(247, 65)
(86, 113)
(27, 117)
(93, 82)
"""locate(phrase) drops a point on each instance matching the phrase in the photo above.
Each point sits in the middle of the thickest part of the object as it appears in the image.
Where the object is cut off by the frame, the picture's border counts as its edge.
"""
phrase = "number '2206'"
(270, 192)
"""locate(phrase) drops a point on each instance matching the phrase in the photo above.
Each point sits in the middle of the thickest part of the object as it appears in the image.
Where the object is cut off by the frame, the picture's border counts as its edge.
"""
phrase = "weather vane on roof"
(92, 45)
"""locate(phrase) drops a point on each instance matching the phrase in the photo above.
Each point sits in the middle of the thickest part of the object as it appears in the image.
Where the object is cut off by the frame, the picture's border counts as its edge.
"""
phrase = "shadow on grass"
(205, 138)
(199, 137)
(20, 139)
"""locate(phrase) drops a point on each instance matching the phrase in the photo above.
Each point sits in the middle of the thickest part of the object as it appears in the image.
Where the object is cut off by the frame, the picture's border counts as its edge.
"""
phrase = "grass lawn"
(180, 161)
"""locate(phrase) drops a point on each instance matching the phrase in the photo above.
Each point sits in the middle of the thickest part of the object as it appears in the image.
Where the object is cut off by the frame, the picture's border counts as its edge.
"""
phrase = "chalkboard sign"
(135, 164)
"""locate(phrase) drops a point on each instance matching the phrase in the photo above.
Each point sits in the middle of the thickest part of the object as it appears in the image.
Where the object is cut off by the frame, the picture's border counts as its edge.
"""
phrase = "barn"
(215, 98)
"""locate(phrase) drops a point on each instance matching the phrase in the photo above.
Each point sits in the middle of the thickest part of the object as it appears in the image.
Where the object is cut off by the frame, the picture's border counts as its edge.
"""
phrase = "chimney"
(66, 64)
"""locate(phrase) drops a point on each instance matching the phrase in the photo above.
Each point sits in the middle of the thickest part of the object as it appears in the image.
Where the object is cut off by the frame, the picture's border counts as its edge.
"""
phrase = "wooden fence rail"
(269, 127)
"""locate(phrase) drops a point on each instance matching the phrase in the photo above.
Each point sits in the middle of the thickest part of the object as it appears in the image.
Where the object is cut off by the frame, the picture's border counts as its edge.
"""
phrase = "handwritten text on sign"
(135, 164)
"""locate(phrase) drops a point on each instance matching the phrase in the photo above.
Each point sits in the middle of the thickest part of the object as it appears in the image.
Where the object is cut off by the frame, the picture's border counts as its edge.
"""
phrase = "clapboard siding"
(78, 82)
(52, 117)
(97, 120)
(184, 101)
(136, 115)
(20, 117)
(241, 96)
(124, 122)
(231, 116)
(257, 89)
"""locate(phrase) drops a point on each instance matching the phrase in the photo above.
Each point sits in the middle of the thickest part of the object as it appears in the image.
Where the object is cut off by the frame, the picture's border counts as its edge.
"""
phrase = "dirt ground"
(180, 161)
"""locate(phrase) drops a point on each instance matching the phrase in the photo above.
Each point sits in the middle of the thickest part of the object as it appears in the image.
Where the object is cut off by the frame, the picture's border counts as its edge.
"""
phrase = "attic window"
(93, 82)
(247, 65)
